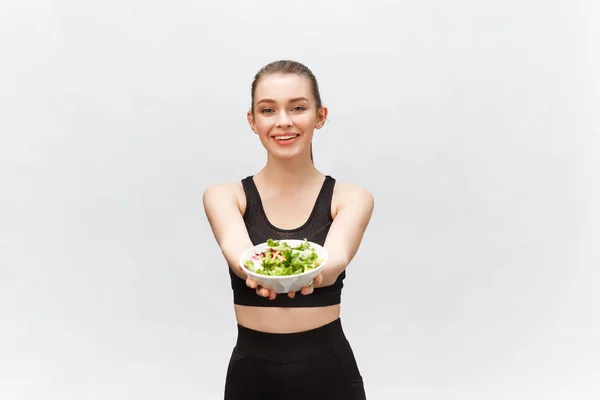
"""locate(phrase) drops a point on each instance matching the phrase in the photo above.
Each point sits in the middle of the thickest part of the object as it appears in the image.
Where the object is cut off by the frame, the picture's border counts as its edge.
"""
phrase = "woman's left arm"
(354, 211)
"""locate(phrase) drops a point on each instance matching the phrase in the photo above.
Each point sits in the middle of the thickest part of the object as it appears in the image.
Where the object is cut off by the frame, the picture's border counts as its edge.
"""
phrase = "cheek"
(306, 121)
(263, 125)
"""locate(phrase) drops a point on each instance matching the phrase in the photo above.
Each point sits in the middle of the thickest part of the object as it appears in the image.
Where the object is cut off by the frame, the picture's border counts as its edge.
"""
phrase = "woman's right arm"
(222, 208)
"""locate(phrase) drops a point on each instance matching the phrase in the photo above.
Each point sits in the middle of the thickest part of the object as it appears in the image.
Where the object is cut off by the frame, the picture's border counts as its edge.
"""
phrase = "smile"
(285, 137)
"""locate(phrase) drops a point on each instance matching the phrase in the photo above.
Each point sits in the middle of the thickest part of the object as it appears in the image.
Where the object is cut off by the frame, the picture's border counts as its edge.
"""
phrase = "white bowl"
(284, 284)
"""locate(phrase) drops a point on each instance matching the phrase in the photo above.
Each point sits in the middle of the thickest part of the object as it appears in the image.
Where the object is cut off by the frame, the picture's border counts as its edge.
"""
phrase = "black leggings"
(315, 364)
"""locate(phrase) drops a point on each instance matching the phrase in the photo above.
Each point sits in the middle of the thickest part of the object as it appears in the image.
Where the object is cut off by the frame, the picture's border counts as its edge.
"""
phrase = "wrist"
(329, 277)
(334, 267)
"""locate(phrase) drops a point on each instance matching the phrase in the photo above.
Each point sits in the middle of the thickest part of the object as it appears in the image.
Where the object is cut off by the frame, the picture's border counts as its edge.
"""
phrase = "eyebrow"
(295, 99)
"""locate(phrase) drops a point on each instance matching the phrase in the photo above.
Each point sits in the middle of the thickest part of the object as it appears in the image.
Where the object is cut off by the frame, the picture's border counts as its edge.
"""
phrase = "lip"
(285, 142)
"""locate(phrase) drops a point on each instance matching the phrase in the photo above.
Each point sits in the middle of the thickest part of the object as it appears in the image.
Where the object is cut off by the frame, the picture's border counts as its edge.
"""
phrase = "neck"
(292, 172)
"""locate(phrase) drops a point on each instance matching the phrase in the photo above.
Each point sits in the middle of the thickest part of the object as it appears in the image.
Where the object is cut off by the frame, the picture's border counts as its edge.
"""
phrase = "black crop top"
(315, 229)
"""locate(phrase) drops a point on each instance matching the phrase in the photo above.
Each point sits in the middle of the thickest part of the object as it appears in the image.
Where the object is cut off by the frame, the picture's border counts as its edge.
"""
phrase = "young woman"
(289, 346)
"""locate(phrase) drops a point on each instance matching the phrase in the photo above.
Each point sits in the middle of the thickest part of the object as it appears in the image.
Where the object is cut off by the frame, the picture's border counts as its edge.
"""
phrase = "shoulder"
(347, 195)
(222, 189)
(350, 192)
(224, 192)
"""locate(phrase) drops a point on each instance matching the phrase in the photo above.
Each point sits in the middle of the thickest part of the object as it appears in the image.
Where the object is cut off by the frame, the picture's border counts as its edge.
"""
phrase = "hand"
(264, 292)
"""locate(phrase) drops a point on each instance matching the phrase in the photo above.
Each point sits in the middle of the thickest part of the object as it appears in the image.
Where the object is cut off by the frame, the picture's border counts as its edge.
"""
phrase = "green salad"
(281, 259)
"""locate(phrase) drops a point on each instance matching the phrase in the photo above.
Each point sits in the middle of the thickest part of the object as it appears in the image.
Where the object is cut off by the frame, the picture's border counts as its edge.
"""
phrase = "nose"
(284, 119)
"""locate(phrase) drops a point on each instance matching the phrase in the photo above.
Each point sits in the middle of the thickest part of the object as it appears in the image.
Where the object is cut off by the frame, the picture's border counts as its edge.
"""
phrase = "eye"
(266, 110)
(299, 108)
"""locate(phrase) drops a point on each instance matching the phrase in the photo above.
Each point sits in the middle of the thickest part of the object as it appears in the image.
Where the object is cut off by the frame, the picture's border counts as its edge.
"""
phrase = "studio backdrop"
(473, 123)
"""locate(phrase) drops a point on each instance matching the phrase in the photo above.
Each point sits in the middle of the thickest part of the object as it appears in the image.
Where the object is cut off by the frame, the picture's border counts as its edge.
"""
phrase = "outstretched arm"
(347, 230)
(222, 209)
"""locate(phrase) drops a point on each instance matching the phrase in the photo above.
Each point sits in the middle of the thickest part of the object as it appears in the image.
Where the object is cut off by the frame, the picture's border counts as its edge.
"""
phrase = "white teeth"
(285, 137)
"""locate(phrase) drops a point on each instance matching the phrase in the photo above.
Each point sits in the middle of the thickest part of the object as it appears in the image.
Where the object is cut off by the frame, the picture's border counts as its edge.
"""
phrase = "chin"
(286, 155)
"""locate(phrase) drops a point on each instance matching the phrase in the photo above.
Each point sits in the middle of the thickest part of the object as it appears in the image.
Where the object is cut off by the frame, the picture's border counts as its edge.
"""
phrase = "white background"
(473, 123)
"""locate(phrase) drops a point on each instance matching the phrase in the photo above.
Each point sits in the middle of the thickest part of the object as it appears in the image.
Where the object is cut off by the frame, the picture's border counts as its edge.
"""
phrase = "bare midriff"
(285, 320)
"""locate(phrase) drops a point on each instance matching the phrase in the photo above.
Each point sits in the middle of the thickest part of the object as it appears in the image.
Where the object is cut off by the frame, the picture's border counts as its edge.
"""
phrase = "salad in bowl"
(285, 265)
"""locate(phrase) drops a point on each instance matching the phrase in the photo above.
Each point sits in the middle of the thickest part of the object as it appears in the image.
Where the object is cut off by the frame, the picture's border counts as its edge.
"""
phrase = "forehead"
(281, 87)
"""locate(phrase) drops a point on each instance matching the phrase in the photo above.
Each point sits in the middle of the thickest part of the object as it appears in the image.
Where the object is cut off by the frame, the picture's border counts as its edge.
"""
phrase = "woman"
(289, 346)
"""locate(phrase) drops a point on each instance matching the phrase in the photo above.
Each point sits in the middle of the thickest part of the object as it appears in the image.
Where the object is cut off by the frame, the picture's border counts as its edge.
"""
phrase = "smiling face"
(285, 115)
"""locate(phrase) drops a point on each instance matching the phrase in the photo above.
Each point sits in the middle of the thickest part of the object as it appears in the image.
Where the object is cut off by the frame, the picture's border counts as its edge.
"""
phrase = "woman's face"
(285, 115)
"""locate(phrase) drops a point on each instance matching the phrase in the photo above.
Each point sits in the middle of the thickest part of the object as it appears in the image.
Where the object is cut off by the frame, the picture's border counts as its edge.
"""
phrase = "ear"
(251, 121)
(321, 117)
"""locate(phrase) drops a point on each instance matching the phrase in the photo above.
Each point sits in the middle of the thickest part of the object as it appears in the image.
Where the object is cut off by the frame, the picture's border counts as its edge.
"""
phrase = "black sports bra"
(315, 229)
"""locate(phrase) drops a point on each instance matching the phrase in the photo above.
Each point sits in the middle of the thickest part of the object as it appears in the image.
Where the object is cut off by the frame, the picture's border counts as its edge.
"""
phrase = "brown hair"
(288, 67)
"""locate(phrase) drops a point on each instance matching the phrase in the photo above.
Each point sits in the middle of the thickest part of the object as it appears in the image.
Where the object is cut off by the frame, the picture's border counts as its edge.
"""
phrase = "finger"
(272, 295)
(251, 283)
(307, 290)
(261, 291)
(292, 295)
(318, 280)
